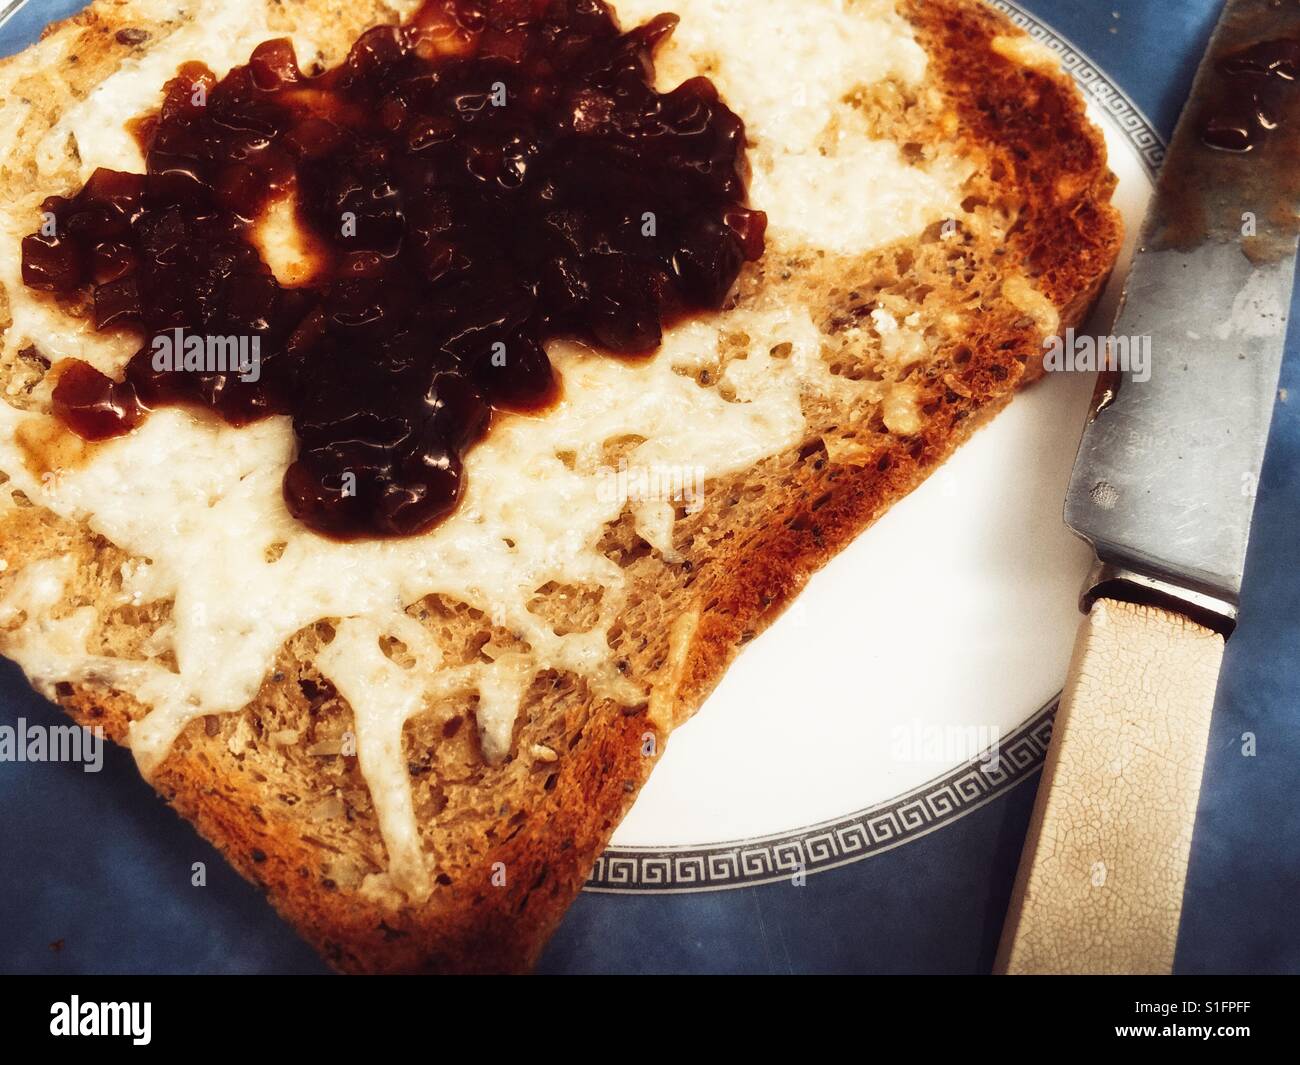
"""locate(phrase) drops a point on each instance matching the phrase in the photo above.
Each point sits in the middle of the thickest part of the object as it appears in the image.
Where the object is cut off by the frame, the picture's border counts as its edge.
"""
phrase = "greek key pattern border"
(1123, 113)
(833, 843)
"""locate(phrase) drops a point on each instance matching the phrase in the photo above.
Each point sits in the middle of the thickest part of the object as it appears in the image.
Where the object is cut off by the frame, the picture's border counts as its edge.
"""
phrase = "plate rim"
(839, 841)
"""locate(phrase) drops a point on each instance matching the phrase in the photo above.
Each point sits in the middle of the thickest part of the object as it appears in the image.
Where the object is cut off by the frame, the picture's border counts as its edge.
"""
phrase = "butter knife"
(1164, 490)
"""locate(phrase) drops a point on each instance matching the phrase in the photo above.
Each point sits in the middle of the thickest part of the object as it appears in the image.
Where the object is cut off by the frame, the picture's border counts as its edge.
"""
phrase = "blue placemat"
(95, 872)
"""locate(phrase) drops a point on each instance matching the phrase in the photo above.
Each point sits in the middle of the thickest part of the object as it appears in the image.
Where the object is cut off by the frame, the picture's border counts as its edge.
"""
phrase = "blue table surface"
(97, 862)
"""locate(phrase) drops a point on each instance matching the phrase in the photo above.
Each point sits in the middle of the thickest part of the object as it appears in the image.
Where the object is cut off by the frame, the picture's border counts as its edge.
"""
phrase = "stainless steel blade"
(1164, 485)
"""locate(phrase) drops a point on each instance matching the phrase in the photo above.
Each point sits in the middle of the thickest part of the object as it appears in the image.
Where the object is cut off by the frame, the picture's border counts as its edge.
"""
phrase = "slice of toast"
(418, 748)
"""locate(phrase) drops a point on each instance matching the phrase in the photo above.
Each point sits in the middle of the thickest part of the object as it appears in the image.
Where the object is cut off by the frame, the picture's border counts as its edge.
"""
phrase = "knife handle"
(1100, 885)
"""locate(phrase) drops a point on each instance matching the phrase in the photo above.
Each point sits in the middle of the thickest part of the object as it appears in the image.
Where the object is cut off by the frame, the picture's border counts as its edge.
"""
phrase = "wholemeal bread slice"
(418, 749)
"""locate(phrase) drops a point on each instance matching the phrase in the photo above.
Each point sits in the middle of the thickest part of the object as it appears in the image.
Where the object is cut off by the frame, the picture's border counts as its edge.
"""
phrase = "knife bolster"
(1100, 885)
(1111, 580)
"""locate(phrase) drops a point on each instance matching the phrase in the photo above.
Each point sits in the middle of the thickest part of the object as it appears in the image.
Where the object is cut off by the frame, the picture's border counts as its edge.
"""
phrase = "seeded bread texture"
(275, 787)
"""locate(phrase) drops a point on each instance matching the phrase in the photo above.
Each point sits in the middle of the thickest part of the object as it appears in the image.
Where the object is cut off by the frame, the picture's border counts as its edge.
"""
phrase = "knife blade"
(1164, 489)
(1164, 484)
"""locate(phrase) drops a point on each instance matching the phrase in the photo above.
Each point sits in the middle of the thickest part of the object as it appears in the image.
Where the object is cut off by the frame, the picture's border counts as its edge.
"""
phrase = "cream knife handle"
(1100, 886)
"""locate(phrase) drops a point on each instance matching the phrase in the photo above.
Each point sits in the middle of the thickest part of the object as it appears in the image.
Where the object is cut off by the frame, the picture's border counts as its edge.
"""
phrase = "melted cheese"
(383, 698)
(1027, 52)
(785, 67)
(201, 501)
(1022, 294)
(284, 245)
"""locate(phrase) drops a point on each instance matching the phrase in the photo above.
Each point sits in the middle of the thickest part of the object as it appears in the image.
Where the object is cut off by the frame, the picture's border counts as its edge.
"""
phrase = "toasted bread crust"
(1031, 126)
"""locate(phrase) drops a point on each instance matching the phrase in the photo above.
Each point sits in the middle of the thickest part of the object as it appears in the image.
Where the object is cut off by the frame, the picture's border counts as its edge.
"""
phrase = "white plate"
(859, 720)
